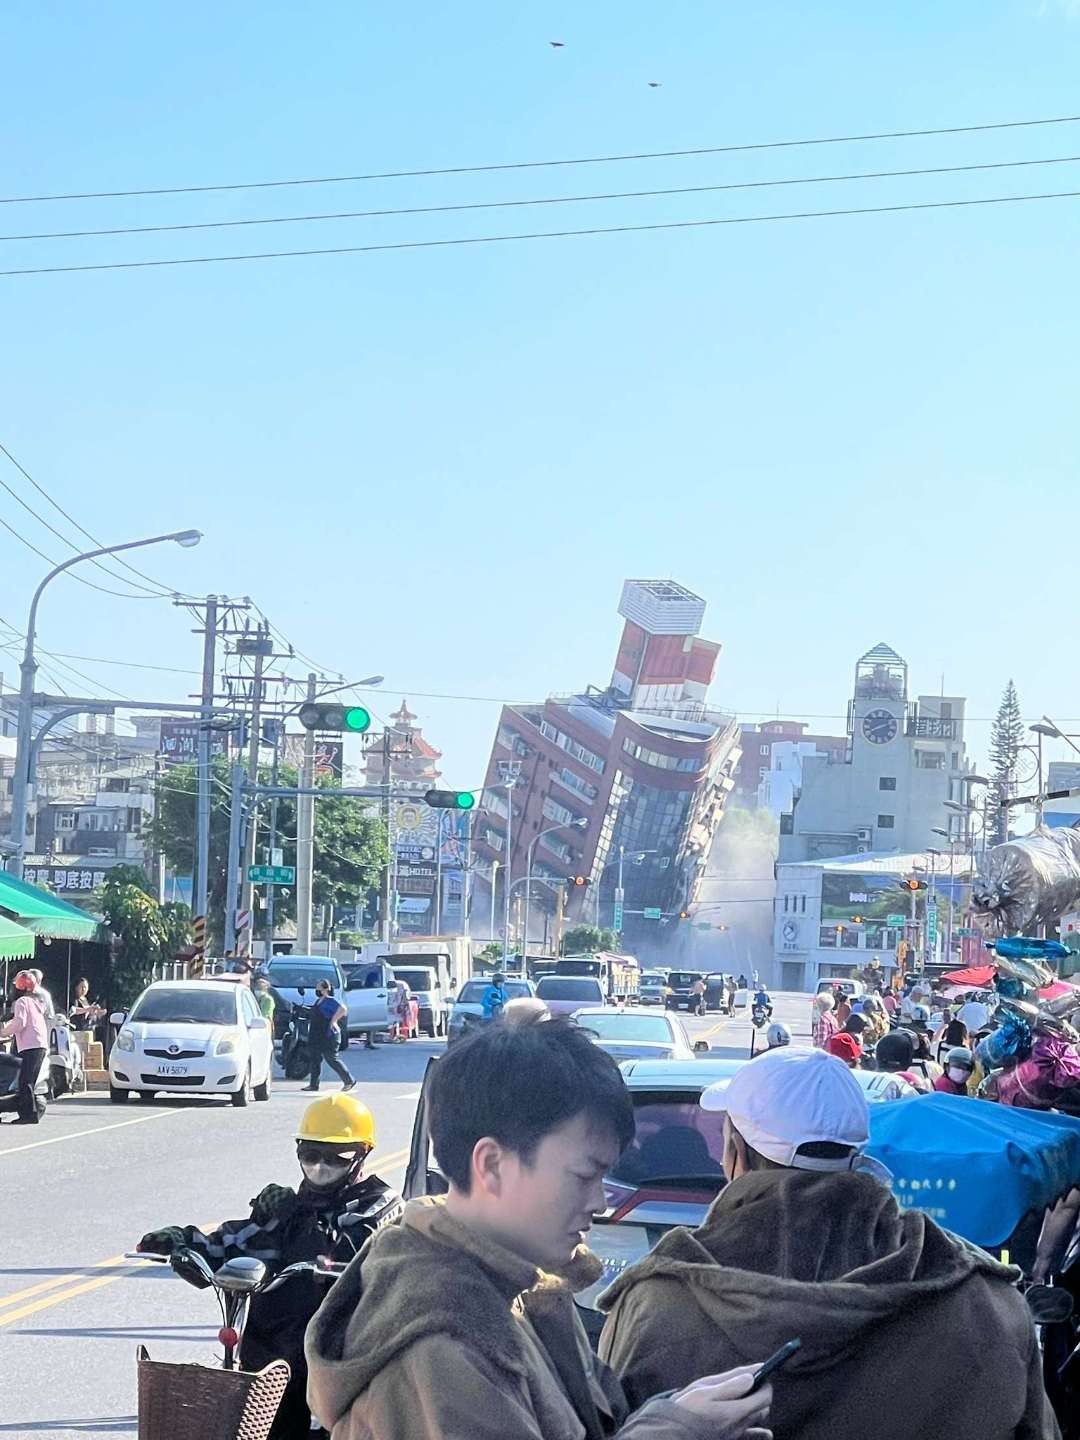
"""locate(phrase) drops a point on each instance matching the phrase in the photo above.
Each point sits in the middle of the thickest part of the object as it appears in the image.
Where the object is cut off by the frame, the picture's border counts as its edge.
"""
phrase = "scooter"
(66, 1073)
(759, 1014)
(295, 1056)
(234, 1284)
(10, 1069)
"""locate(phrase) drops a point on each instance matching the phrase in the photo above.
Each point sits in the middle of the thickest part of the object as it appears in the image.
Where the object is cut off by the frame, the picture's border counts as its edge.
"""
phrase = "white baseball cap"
(788, 1098)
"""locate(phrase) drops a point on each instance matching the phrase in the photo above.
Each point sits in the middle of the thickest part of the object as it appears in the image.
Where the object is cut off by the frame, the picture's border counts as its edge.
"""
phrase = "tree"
(350, 843)
(1006, 738)
(139, 932)
(584, 939)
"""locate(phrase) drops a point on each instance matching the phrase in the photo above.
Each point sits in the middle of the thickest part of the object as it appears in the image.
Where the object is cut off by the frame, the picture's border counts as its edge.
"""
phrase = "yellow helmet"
(338, 1120)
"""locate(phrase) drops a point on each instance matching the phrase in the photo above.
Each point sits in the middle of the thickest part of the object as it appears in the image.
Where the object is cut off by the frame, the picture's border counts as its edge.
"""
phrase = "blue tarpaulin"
(977, 1168)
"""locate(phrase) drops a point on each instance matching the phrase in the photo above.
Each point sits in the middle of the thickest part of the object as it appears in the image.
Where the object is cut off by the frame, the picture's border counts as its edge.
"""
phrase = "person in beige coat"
(459, 1323)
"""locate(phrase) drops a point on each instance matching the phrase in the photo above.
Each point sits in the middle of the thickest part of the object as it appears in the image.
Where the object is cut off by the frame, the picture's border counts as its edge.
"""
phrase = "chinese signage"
(932, 727)
(65, 877)
(179, 744)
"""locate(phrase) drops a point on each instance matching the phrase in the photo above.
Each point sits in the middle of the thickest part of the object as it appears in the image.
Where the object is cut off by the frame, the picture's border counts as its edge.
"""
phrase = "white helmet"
(778, 1035)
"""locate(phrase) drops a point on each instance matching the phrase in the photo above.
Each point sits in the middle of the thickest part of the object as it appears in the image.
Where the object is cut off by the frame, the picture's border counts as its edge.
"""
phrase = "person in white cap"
(806, 1242)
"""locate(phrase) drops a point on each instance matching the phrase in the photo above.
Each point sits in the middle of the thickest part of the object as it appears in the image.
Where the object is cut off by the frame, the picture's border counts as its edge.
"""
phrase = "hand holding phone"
(774, 1362)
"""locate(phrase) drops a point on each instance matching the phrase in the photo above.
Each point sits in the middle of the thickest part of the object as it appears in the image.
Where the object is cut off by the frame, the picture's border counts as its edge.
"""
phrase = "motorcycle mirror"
(241, 1274)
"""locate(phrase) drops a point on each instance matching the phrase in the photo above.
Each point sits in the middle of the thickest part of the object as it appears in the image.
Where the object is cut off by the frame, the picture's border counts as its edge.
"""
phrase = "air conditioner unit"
(864, 834)
(862, 849)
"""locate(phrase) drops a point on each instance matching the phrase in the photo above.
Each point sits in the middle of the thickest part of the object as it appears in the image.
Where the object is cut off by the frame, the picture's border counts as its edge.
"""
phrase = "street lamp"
(947, 834)
(581, 823)
(1040, 730)
(21, 782)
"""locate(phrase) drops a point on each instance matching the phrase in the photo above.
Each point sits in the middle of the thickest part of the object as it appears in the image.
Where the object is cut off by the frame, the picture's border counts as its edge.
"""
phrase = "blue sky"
(439, 465)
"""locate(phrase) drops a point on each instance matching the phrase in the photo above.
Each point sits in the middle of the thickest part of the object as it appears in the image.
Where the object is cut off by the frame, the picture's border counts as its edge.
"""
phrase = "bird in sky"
(557, 44)
(655, 84)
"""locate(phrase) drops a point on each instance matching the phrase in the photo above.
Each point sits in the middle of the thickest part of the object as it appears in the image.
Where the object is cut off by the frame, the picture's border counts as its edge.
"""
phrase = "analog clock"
(790, 931)
(880, 726)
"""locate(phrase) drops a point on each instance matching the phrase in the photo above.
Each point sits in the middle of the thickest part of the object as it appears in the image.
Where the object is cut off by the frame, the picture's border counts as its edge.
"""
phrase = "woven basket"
(195, 1402)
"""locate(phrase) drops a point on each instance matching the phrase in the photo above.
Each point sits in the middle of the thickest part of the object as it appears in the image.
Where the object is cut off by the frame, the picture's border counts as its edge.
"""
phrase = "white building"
(832, 917)
(904, 759)
(781, 783)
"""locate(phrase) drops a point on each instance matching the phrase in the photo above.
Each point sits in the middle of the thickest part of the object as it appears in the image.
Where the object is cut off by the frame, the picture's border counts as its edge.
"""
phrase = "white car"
(193, 1037)
(630, 1035)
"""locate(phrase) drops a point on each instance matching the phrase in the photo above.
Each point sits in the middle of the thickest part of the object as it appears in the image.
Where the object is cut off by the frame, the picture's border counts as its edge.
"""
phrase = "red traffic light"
(577, 881)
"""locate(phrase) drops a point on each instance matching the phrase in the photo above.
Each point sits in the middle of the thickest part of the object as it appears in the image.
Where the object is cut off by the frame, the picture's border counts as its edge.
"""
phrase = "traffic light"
(684, 914)
(856, 919)
(351, 718)
(578, 882)
(450, 799)
(913, 884)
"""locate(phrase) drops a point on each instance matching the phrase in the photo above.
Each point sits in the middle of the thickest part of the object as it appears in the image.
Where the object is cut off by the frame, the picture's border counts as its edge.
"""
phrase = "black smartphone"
(782, 1356)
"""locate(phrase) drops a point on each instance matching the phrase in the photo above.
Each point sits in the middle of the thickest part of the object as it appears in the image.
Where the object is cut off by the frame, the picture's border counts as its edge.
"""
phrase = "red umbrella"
(975, 977)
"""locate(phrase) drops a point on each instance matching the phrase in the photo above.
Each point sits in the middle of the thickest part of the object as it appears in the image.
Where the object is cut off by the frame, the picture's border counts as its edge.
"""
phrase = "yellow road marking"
(388, 1163)
(715, 1029)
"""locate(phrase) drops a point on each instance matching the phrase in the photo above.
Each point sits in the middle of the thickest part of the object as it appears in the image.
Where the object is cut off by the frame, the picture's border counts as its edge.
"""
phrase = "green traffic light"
(357, 718)
(466, 800)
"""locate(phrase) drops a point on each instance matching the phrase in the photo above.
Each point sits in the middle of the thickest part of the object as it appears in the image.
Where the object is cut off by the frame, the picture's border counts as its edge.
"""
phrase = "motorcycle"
(66, 1073)
(10, 1068)
(198, 1398)
(295, 1057)
(759, 1014)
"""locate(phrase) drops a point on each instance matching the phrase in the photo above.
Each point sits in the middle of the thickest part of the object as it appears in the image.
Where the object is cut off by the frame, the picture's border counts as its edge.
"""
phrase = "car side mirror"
(118, 1017)
(258, 1023)
(701, 1047)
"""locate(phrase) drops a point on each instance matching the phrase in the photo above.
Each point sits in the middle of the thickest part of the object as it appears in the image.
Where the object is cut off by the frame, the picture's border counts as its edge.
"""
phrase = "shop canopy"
(16, 943)
(43, 914)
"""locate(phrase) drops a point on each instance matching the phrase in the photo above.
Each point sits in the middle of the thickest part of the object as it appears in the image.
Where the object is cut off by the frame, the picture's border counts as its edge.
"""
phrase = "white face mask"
(958, 1075)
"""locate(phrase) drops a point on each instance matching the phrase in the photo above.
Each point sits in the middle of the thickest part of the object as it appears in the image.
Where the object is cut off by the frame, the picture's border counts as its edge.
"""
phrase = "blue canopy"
(977, 1168)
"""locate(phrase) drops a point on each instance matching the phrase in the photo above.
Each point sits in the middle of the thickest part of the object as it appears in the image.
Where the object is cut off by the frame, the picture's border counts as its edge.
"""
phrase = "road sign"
(616, 920)
(272, 874)
(652, 912)
(895, 920)
(931, 928)
(966, 934)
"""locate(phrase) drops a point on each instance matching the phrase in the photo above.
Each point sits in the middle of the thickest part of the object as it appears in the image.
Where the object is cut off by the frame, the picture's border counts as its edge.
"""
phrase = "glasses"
(315, 1150)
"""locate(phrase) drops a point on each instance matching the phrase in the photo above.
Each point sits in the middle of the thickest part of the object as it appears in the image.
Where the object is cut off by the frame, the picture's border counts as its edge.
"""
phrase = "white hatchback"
(193, 1037)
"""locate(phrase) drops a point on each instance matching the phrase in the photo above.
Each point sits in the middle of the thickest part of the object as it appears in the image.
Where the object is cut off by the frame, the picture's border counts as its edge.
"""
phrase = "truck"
(434, 968)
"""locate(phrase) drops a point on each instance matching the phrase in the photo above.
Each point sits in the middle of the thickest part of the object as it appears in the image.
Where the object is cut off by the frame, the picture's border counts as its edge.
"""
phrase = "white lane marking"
(95, 1130)
(412, 1095)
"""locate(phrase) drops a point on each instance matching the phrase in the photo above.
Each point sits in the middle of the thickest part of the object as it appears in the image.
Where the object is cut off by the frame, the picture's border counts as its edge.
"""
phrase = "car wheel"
(241, 1097)
(118, 1097)
(262, 1092)
(146, 1095)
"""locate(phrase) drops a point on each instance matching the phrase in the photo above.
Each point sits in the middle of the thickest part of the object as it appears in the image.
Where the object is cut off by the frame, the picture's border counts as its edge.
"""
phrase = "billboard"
(845, 894)
(179, 742)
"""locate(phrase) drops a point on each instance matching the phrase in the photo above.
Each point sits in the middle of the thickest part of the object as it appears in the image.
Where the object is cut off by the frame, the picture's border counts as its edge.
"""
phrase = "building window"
(785, 904)
(887, 782)
(575, 783)
(946, 709)
(557, 847)
(65, 820)
(664, 762)
(571, 746)
(557, 813)
(929, 760)
(886, 822)
(765, 749)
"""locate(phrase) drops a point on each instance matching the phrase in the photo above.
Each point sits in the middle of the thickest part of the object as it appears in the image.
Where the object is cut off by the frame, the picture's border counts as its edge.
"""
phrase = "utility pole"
(260, 645)
(202, 798)
(271, 889)
(232, 858)
(305, 834)
(560, 902)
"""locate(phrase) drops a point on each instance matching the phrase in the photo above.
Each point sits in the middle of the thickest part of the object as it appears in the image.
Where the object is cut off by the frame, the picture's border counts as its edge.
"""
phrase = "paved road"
(79, 1190)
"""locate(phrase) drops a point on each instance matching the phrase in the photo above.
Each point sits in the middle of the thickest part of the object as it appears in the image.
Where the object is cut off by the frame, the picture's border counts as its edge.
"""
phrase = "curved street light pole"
(579, 824)
(28, 675)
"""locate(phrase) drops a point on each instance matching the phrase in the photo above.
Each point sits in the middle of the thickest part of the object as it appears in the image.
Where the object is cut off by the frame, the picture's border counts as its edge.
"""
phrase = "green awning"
(40, 911)
(15, 942)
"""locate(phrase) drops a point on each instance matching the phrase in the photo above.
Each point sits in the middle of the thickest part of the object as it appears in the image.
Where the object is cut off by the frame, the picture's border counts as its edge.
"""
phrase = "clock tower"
(878, 708)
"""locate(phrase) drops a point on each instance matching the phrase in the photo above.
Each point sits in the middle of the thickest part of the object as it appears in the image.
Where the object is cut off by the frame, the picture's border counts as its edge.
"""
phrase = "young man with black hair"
(807, 1243)
(459, 1323)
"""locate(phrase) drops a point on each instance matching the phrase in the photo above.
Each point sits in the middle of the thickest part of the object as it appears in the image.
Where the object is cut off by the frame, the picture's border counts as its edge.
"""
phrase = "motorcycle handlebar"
(328, 1269)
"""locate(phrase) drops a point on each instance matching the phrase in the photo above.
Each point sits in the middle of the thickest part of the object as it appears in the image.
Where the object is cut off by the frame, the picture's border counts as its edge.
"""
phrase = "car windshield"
(554, 987)
(293, 976)
(416, 979)
(674, 1139)
(645, 1029)
(182, 1006)
(472, 992)
(683, 977)
(650, 978)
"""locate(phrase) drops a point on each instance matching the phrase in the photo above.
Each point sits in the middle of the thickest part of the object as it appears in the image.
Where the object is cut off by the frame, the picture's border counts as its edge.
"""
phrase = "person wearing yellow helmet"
(331, 1213)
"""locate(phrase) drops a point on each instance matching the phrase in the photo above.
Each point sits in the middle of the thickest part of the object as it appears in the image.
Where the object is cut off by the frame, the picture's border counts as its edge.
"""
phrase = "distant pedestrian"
(30, 1032)
(324, 1036)
(265, 998)
(697, 996)
(825, 1026)
(846, 1048)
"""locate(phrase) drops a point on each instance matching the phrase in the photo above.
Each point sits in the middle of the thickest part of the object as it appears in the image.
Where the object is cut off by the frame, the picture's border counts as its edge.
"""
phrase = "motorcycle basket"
(179, 1401)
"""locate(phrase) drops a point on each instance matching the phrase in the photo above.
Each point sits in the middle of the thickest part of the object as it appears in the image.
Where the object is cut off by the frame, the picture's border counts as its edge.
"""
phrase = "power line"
(71, 520)
(462, 240)
(542, 200)
(540, 164)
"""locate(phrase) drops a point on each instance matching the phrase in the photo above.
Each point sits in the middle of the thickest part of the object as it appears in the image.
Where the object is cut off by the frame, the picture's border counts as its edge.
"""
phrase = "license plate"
(172, 1069)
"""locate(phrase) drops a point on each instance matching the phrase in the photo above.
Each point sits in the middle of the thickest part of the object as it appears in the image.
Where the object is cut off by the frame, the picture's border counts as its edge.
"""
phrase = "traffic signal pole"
(202, 796)
(305, 834)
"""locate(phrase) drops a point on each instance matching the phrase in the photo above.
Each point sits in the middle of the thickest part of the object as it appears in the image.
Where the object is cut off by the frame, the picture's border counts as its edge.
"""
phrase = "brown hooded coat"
(907, 1331)
(436, 1333)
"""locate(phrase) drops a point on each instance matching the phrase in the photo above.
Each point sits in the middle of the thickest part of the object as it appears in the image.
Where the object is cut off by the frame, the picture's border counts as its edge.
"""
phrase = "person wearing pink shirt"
(31, 1035)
